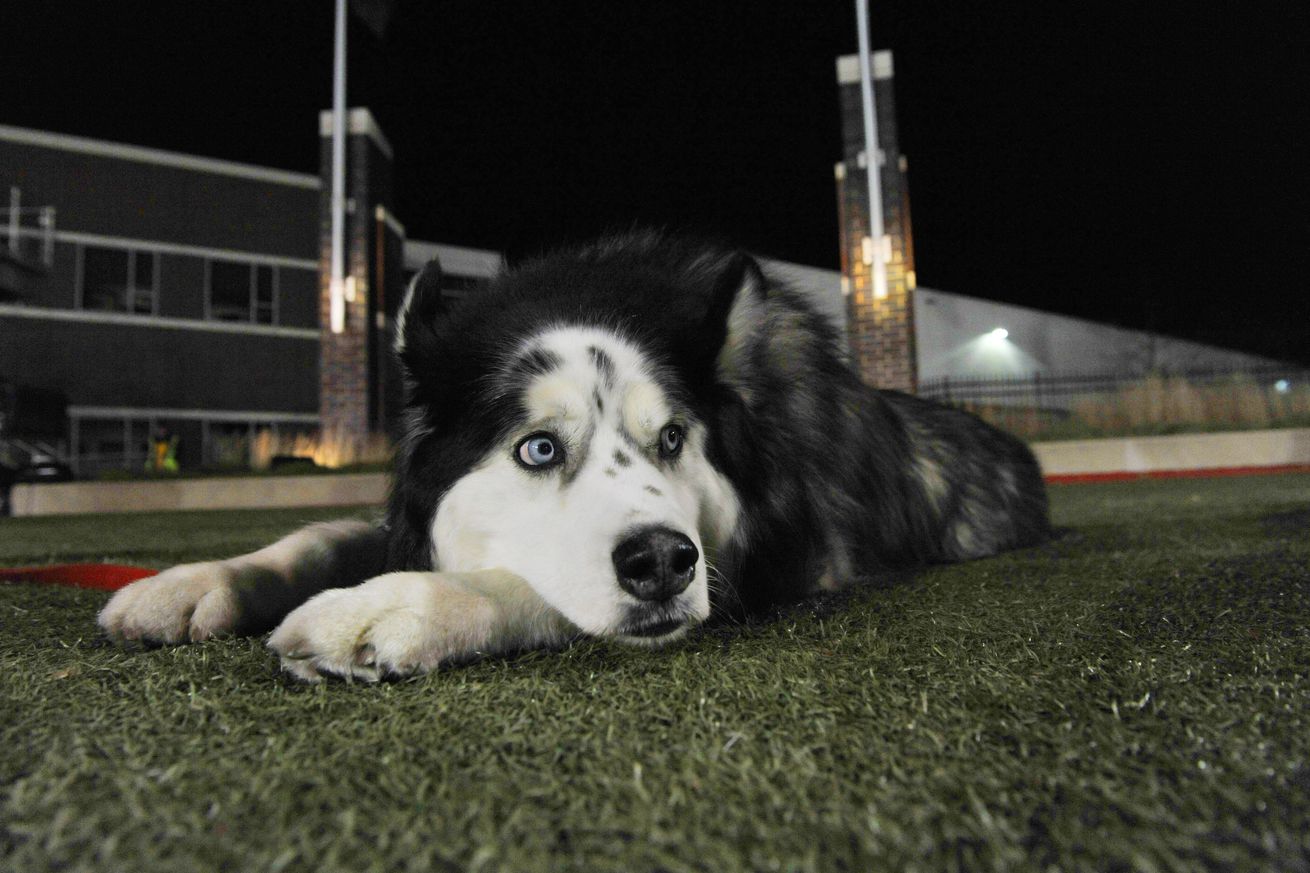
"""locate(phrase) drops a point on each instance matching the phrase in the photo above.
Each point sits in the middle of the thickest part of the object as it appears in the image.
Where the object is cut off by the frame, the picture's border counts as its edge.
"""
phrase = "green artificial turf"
(1133, 696)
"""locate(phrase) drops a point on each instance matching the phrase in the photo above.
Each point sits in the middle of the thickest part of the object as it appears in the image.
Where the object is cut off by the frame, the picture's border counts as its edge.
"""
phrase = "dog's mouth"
(661, 628)
(652, 623)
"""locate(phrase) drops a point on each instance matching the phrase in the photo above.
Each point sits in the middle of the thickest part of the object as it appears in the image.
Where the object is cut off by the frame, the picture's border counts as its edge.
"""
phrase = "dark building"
(158, 290)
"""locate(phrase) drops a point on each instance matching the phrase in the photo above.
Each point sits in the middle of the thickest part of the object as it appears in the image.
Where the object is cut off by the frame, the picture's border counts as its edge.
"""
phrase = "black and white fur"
(616, 441)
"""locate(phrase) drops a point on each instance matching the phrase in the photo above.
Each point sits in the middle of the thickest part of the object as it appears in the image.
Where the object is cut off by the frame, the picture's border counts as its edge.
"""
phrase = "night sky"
(1140, 163)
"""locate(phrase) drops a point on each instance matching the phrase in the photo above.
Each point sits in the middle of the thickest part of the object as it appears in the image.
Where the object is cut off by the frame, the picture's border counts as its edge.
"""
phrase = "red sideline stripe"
(1206, 473)
(106, 577)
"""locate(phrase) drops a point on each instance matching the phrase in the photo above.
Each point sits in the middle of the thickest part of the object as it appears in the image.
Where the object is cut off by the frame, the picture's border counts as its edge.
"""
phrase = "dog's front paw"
(393, 625)
(189, 602)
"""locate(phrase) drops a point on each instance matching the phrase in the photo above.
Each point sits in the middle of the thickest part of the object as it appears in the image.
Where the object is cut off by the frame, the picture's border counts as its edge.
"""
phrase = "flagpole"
(336, 281)
(878, 260)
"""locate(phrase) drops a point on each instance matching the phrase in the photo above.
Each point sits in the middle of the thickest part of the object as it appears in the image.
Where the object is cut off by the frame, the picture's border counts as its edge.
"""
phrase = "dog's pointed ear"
(737, 314)
(422, 310)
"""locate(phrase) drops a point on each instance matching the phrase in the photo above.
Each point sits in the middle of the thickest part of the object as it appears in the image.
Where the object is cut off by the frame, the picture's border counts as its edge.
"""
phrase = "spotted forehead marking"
(580, 374)
(604, 365)
(555, 396)
(645, 411)
(601, 352)
(535, 361)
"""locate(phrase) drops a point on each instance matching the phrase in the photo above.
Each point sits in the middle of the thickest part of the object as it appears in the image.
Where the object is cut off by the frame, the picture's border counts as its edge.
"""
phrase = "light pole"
(336, 281)
(875, 247)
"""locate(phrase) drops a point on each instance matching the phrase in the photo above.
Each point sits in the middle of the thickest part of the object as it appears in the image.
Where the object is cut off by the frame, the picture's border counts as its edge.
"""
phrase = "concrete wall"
(1180, 452)
(955, 341)
(264, 492)
(1215, 452)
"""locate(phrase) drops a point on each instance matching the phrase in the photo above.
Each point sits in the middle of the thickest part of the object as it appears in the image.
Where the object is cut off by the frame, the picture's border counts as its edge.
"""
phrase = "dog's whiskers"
(720, 584)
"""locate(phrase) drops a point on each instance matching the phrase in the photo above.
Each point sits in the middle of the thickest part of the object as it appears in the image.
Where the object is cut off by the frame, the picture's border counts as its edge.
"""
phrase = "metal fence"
(1063, 392)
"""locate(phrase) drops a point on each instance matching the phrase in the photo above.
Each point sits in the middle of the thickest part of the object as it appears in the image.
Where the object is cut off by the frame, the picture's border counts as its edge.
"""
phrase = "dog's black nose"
(655, 563)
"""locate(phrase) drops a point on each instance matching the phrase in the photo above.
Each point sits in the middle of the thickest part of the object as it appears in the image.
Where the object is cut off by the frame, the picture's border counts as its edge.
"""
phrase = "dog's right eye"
(540, 450)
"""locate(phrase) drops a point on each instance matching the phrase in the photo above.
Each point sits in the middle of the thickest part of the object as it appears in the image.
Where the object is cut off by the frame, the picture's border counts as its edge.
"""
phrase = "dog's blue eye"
(670, 440)
(539, 450)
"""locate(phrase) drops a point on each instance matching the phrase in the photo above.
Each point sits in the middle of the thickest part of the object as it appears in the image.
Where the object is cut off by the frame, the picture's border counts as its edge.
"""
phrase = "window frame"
(132, 288)
(252, 291)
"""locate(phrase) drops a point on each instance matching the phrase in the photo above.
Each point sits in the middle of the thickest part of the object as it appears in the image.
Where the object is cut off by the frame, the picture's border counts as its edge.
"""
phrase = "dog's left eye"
(540, 450)
(671, 440)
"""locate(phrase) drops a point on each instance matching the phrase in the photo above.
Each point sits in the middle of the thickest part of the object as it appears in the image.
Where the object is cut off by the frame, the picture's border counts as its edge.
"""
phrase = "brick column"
(352, 363)
(881, 331)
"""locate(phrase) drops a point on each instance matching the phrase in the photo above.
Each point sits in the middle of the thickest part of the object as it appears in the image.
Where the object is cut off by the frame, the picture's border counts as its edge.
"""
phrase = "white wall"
(457, 260)
(954, 339)
(823, 287)
(954, 332)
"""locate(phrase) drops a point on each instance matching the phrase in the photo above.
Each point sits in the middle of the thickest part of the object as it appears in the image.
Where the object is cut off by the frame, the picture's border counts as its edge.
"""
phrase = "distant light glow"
(992, 353)
(1282, 386)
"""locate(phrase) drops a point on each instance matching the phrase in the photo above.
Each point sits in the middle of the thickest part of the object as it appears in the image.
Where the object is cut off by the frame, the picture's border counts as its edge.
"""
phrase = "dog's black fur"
(835, 479)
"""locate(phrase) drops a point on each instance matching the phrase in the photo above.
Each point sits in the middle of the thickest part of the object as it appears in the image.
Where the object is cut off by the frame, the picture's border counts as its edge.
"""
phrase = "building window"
(265, 307)
(102, 444)
(229, 291)
(227, 444)
(118, 280)
(237, 291)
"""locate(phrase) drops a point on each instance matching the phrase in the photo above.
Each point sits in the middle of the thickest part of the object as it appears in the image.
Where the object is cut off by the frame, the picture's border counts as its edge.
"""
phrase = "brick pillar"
(352, 363)
(881, 331)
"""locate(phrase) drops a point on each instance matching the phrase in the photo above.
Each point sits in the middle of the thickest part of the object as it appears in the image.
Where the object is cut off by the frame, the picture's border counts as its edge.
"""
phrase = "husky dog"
(615, 441)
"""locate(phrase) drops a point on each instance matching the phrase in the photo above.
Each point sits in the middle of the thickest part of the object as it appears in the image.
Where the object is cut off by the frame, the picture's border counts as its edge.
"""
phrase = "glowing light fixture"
(1282, 386)
(999, 334)
(337, 307)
